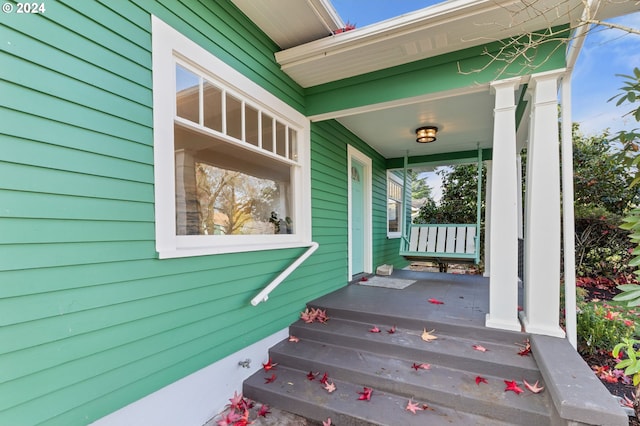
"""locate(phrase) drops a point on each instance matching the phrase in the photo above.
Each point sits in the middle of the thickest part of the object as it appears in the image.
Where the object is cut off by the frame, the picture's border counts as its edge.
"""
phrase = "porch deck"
(354, 358)
(465, 298)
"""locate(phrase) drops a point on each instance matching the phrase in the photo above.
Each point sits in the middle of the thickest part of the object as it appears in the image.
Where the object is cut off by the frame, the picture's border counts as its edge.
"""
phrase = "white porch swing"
(443, 243)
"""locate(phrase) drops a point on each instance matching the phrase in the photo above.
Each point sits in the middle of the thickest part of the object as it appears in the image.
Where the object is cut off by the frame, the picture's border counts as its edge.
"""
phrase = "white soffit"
(443, 28)
(292, 22)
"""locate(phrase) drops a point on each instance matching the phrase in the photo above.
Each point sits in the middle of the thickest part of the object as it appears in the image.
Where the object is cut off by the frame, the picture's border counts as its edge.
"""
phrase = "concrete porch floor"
(575, 390)
(465, 297)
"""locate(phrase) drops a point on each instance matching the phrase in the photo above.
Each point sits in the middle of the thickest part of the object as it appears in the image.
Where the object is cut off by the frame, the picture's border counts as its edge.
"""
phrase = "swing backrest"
(448, 241)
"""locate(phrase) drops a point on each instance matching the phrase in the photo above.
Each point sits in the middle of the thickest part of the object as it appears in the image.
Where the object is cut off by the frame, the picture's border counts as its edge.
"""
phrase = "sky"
(605, 53)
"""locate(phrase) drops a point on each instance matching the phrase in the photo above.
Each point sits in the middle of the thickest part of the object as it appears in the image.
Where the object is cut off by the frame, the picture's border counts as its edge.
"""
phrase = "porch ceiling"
(463, 121)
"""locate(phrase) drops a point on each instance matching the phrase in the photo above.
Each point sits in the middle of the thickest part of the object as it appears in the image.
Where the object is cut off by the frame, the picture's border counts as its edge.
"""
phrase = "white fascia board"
(327, 13)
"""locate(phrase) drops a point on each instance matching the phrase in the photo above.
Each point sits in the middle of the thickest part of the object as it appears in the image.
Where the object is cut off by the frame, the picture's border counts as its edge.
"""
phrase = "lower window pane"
(393, 215)
(223, 189)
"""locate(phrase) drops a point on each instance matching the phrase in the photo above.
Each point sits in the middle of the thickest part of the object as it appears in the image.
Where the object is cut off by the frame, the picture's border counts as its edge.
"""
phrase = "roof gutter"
(390, 28)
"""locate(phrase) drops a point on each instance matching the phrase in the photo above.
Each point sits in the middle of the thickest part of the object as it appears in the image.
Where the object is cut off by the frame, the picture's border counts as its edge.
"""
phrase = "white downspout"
(568, 217)
(568, 229)
(263, 296)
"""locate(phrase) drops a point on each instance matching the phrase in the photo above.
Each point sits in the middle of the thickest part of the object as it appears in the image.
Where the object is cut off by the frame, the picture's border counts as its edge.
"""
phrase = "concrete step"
(293, 392)
(444, 386)
(448, 350)
(430, 319)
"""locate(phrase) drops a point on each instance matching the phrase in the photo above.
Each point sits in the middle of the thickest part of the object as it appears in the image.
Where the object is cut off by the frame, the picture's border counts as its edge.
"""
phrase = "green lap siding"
(90, 319)
(329, 184)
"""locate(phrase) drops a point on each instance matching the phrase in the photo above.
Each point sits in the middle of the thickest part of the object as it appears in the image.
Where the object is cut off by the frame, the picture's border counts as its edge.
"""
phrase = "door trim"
(354, 154)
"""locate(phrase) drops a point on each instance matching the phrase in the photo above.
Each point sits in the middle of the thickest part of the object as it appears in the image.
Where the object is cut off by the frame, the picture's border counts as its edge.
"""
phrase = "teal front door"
(357, 218)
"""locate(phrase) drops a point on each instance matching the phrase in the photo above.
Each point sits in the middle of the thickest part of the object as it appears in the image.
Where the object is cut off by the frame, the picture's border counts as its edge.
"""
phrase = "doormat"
(386, 282)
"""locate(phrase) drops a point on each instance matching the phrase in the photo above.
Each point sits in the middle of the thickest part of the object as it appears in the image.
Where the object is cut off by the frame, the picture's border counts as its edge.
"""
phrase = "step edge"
(443, 395)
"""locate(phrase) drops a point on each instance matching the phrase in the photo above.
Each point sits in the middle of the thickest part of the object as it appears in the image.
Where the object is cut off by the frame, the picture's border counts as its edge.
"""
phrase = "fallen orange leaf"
(413, 406)
(427, 336)
(534, 387)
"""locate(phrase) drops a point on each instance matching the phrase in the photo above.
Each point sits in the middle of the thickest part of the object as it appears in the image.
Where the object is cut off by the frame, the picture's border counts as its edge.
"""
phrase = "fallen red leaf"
(600, 370)
(416, 366)
(311, 375)
(480, 348)
(413, 406)
(480, 379)
(512, 386)
(524, 352)
(365, 395)
(321, 315)
(230, 419)
(263, 411)
(307, 316)
(324, 379)
(237, 402)
(293, 339)
(375, 329)
(533, 387)
(270, 379)
(310, 315)
(327, 423)
(269, 365)
(626, 402)
(392, 330)
(436, 301)
(526, 348)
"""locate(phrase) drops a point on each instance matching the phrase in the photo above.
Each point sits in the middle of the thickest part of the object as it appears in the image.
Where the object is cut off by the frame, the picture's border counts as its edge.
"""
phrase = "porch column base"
(551, 330)
(502, 324)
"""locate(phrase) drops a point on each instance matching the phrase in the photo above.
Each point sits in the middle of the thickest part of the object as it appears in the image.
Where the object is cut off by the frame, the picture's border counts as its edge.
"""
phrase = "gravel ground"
(275, 418)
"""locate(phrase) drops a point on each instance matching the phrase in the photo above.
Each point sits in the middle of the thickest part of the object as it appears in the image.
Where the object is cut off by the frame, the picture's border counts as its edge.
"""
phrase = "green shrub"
(602, 248)
(596, 332)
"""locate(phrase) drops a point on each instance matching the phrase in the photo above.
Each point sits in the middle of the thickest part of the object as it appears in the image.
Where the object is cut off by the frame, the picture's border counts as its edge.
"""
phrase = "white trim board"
(353, 153)
(195, 399)
(169, 48)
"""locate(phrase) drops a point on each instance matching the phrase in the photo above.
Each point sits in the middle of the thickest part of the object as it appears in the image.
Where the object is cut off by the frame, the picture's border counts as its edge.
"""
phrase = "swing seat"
(442, 243)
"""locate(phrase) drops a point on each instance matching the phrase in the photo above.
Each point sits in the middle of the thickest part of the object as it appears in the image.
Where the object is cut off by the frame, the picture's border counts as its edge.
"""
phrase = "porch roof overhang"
(366, 64)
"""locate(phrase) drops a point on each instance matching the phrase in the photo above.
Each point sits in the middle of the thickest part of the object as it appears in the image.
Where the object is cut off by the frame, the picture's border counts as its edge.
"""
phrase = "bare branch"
(611, 25)
(519, 54)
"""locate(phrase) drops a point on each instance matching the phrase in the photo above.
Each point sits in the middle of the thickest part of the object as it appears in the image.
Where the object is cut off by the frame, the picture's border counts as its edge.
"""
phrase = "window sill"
(244, 248)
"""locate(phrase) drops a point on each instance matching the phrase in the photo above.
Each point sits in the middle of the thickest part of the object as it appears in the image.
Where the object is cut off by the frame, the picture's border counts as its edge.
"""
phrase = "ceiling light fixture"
(426, 134)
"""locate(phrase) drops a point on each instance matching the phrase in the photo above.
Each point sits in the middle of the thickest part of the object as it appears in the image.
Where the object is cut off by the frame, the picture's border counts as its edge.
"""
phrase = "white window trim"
(167, 43)
(354, 154)
(401, 219)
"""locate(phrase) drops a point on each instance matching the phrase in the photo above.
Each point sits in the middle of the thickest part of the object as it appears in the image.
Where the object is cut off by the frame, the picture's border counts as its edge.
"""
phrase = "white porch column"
(503, 284)
(487, 220)
(542, 217)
